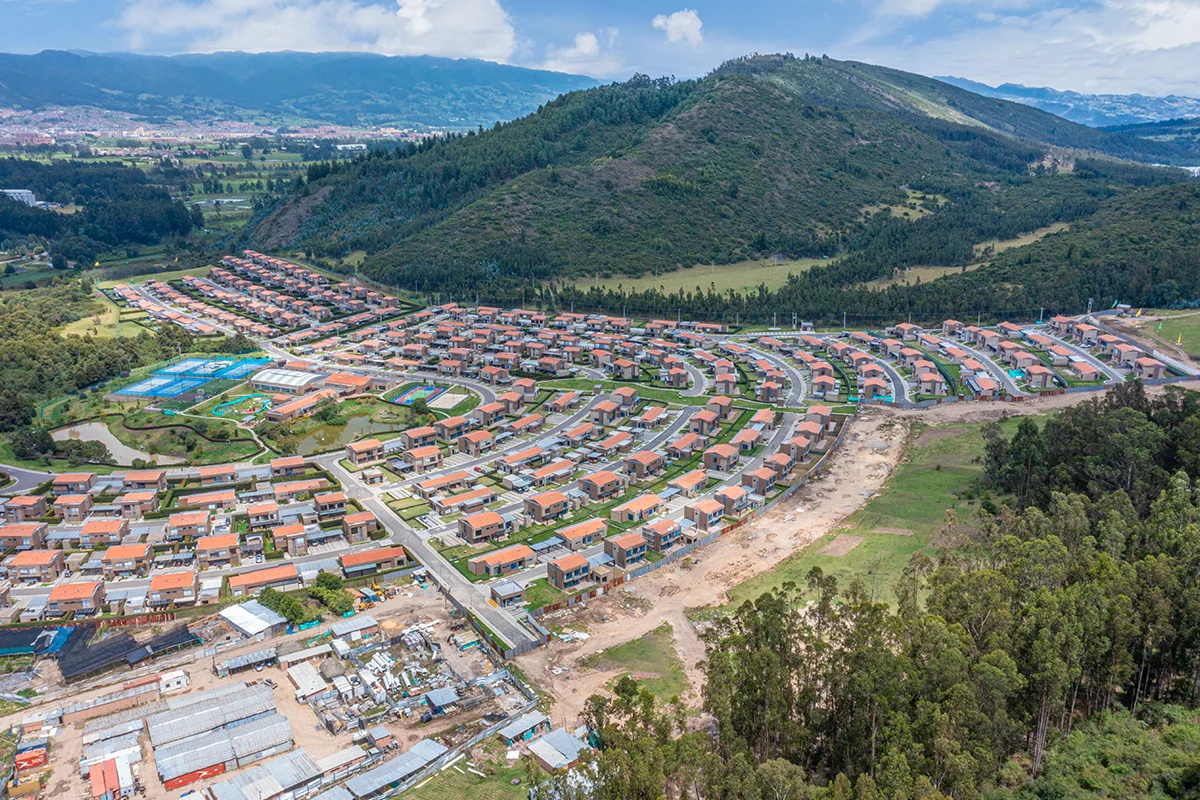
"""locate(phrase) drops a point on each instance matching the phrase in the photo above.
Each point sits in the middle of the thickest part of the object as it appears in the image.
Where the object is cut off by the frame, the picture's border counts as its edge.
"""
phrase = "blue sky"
(1118, 46)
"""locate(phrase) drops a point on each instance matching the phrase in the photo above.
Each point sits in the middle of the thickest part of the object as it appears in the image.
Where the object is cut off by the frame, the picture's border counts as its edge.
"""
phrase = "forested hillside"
(1033, 658)
(345, 88)
(767, 155)
(117, 205)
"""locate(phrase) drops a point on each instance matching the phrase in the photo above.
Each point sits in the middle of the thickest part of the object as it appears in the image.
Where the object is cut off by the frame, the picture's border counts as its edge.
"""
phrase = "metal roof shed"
(307, 680)
(516, 730)
(358, 623)
(557, 749)
(384, 778)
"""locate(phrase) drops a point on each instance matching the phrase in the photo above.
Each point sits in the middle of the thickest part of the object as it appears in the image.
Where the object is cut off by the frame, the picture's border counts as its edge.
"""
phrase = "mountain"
(766, 155)
(1095, 110)
(341, 88)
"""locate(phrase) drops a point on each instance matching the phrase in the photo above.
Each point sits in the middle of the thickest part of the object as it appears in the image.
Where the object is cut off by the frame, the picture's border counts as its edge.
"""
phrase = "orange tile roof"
(104, 525)
(505, 556)
(35, 558)
(628, 540)
(122, 552)
(172, 580)
(224, 540)
(74, 591)
(371, 556)
(570, 562)
(260, 577)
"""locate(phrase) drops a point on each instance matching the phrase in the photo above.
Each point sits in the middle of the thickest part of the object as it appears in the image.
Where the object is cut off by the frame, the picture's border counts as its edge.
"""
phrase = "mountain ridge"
(341, 88)
(1093, 110)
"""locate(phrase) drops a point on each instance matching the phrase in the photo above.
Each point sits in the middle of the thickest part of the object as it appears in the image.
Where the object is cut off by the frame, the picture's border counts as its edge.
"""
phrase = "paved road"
(699, 381)
(1112, 376)
(998, 371)
(1168, 359)
(795, 395)
(24, 480)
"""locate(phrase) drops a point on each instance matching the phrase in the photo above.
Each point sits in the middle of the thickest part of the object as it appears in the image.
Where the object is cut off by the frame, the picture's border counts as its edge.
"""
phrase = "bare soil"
(842, 544)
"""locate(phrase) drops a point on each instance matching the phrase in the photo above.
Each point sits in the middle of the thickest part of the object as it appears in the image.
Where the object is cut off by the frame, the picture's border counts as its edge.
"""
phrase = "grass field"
(943, 462)
(458, 784)
(541, 593)
(651, 659)
(1000, 245)
(743, 276)
(1183, 327)
(172, 275)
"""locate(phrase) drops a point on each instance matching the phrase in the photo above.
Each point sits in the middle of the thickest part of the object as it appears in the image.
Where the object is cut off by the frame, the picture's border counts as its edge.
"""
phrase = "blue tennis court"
(191, 374)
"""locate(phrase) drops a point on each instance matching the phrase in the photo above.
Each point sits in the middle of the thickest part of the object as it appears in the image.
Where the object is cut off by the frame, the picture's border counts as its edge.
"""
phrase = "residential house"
(721, 457)
(502, 562)
(546, 506)
(626, 549)
(368, 451)
(330, 505)
(637, 509)
(146, 480)
(603, 485)
(705, 514)
(126, 560)
(662, 534)
(217, 551)
(567, 572)
(28, 507)
(23, 535)
(188, 525)
(73, 483)
(174, 589)
(80, 599)
(583, 534)
(263, 515)
(103, 532)
(760, 481)
(645, 464)
(359, 526)
(484, 526)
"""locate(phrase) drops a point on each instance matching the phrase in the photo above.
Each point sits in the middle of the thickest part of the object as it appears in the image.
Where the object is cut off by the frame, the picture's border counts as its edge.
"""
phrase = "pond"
(122, 453)
(332, 437)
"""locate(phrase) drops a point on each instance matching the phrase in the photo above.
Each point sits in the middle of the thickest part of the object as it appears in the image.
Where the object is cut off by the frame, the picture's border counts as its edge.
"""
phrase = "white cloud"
(1114, 46)
(454, 28)
(586, 55)
(683, 25)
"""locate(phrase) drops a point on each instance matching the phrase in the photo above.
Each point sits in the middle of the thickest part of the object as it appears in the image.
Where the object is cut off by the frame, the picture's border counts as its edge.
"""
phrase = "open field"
(1183, 327)
(925, 274)
(651, 659)
(897, 522)
(172, 275)
(742, 276)
(994, 246)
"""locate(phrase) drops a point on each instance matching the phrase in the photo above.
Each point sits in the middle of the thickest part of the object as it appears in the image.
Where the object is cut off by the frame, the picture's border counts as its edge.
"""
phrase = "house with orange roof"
(476, 443)
(703, 423)
(73, 483)
(263, 515)
(291, 539)
(721, 457)
(705, 514)
(37, 566)
(174, 589)
(218, 475)
(23, 535)
(423, 459)
(760, 481)
(28, 507)
(126, 560)
(690, 483)
(287, 466)
(637, 509)
(603, 485)
(546, 506)
(277, 577)
(465, 503)
(188, 525)
(211, 501)
(218, 551)
(359, 526)
(502, 562)
(289, 491)
(567, 572)
(643, 465)
(136, 505)
(103, 531)
(143, 480)
(80, 599)
(330, 504)
(662, 534)
(626, 549)
(485, 526)
(369, 562)
(583, 534)
(368, 451)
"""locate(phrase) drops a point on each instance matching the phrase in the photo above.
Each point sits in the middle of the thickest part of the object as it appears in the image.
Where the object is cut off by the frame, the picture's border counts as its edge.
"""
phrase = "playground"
(250, 404)
(426, 393)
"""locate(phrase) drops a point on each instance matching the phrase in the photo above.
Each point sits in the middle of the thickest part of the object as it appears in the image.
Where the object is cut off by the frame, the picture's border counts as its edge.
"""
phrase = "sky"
(1105, 46)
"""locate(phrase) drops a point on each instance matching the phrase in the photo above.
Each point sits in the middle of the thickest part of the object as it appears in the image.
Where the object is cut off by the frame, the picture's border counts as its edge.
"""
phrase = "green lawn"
(451, 784)
(899, 520)
(1184, 328)
(541, 593)
(742, 276)
(652, 654)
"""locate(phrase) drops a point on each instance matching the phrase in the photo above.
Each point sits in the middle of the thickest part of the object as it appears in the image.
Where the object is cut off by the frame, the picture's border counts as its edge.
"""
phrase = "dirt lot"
(871, 450)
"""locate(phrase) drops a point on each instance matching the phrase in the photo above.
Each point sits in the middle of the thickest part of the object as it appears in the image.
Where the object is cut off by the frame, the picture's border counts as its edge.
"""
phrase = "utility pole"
(843, 320)
(1089, 306)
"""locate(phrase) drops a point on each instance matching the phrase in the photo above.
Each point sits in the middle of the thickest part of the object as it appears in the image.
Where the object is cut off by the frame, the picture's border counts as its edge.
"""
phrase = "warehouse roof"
(356, 623)
(221, 746)
(268, 780)
(251, 618)
(171, 726)
(285, 378)
(419, 756)
(517, 728)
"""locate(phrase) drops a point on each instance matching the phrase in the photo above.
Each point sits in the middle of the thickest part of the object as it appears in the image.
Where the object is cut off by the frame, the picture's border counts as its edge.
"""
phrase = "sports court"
(425, 393)
(191, 374)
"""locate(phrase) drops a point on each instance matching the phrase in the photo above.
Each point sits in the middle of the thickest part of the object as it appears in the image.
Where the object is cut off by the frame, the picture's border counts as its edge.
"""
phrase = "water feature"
(122, 453)
(332, 437)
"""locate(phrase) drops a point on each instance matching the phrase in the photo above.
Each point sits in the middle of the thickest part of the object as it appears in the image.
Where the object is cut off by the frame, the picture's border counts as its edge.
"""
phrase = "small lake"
(122, 453)
(326, 437)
